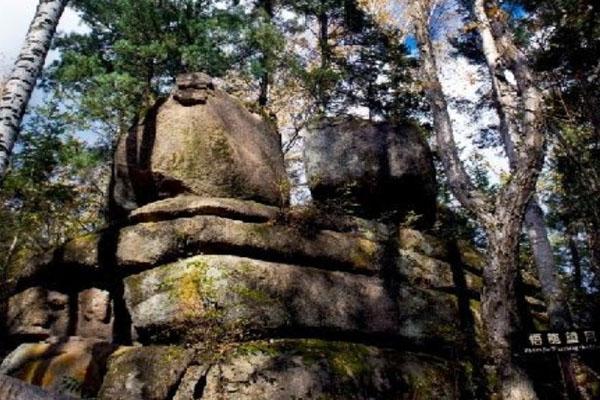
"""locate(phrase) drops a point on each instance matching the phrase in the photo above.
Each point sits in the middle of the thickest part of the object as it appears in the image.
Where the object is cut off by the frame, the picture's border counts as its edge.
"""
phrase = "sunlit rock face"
(207, 288)
(372, 169)
(198, 141)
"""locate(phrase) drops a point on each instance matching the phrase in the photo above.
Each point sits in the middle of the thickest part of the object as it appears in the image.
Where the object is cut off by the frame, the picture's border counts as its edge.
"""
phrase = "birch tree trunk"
(506, 97)
(501, 218)
(547, 269)
(21, 82)
(504, 62)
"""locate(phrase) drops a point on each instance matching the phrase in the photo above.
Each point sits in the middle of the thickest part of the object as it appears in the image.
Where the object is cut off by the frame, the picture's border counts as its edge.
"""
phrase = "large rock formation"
(198, 141)
(370, 168)
(208, 291)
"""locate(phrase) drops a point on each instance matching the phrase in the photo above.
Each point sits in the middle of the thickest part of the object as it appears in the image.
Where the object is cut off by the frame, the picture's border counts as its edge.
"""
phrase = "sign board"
(575, 340)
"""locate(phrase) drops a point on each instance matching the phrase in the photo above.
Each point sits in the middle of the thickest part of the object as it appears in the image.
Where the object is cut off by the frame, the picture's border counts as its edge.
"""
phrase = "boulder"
(87, 259)
(192, 383)
(222, 297)
(317, 369)
(428, 245)
(311, 217)
(429, 318)
(16, 389)
(144, 373)
(470, 257)
(426, 260)
(198, 141)
(189, 206)
(38, 313)
(425, 272)
(431, 273)
(154, 243)
(72, 366)
(371, 169)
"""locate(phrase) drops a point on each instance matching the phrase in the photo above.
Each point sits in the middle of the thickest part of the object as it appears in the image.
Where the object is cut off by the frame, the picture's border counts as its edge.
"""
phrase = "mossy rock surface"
(425, 272)
(428, 245)
(191, 205)
(224, 297)
(318, 369)
(212, 148)
(144, 373)
(429, 317)
(154, 243)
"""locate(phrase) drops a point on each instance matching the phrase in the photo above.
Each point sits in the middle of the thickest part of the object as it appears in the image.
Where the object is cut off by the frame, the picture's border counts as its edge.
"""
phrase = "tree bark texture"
(501, 218)
(499, 313)
(547, 269)
(518, 103)
(265, 80)
(504, 61)
(458, 179)
(506, 97)
(21, 82)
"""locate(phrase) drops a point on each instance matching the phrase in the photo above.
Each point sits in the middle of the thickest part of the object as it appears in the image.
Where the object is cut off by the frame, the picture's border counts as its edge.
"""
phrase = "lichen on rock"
(199, 141)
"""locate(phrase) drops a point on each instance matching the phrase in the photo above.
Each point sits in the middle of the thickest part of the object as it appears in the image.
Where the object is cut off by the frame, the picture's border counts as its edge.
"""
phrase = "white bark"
(20, 83)
(519, 107)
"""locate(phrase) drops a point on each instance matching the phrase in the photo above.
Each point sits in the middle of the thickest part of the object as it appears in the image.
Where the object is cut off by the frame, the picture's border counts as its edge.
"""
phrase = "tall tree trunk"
(506, 98)
(519, 108)
(547, 269)
(499, 313)
(502, 219)
(504, 61)
(594, 245)
(325, 51)
(21, 82)
(263, 97)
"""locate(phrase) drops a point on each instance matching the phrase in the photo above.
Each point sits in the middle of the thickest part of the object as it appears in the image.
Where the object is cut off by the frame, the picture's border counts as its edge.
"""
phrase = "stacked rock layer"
(208, 287)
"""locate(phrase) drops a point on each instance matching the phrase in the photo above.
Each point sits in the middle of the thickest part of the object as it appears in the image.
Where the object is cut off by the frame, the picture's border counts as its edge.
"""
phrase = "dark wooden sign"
(575, 340)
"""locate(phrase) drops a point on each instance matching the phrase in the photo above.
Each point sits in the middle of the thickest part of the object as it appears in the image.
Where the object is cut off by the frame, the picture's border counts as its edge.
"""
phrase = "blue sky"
(15, 17)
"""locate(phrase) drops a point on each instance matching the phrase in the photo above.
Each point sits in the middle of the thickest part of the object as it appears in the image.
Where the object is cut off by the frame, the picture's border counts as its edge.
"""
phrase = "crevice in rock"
(434, 346)
(200, 386)
(226, 249)
(465, 267)
(73, 309)
(389, 271)
(173, 389)
(472, 349)
(162, 216)
(457, 290)
(107, 260)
